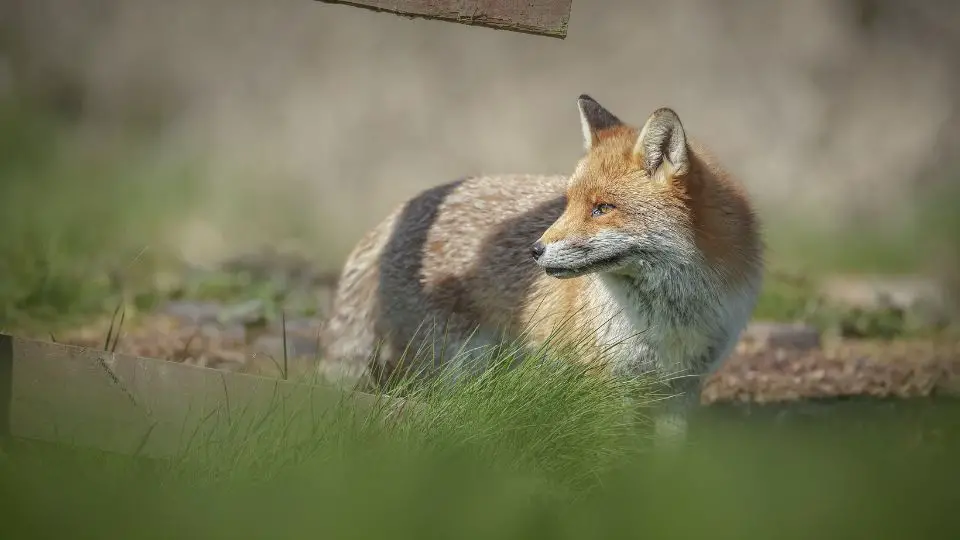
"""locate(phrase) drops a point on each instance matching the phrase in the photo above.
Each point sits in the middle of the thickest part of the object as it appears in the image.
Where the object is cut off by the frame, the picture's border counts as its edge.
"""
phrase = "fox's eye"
(602, 208)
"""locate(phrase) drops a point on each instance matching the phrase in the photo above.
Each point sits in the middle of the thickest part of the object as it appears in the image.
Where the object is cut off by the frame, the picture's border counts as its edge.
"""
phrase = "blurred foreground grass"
(513, 461)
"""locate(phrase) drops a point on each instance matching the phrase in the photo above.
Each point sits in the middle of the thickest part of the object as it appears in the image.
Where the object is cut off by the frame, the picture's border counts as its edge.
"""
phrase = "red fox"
(649, 245)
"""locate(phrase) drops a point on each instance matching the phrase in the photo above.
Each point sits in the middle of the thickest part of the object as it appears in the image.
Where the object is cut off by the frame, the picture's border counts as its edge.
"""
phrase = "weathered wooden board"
(541, 17)
(155, 408)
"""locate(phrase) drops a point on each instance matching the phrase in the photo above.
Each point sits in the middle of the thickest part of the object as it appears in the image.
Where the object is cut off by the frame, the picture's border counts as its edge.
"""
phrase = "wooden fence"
(118, 403)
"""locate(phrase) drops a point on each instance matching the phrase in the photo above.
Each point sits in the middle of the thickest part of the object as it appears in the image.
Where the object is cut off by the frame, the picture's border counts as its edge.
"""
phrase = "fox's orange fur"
(649, 246)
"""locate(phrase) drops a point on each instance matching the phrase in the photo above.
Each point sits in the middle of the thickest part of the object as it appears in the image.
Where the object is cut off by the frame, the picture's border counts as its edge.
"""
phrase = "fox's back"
(464, 247)
(456, 254)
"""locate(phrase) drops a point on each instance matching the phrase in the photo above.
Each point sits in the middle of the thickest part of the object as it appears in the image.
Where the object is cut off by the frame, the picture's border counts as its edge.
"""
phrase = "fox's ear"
(593, 118)
(662, 139)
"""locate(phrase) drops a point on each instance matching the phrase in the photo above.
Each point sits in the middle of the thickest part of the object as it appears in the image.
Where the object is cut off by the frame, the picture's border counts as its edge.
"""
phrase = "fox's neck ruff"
(662, 319)
(677, 291)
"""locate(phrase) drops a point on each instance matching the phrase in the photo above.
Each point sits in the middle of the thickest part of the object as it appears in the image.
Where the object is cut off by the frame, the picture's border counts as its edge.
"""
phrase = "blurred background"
(151, 150)
(201, 130)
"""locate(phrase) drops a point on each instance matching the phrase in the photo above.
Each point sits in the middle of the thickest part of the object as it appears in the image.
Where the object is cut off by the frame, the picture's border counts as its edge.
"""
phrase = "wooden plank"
(540, 17)
(149, 407)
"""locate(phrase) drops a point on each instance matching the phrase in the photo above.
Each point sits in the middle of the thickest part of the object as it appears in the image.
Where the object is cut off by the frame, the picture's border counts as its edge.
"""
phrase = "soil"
(844, 368)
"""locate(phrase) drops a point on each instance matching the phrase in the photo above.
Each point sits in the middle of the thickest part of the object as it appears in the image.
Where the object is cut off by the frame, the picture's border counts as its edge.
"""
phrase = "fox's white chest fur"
(651, 329)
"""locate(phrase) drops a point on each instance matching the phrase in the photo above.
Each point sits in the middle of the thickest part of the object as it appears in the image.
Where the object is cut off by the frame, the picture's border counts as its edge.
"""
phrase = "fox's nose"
(537, 250)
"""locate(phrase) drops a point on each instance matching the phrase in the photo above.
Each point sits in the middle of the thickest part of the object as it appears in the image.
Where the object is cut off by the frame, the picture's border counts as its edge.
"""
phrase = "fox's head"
(626, 200)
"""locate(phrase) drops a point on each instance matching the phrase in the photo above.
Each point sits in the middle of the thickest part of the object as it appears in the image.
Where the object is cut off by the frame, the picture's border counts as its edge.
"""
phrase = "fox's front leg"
(671, 417)
(670, 427)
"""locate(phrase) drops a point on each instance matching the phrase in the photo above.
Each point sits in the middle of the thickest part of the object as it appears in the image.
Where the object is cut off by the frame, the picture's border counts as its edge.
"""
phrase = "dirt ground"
(843, 368)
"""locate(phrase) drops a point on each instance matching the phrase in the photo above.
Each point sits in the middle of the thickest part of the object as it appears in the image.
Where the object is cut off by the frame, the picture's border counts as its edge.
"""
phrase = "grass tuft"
(539, 416)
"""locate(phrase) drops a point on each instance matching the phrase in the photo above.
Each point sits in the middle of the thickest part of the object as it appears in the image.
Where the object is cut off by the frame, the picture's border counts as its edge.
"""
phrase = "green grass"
(874, 248)
(88, 218)
(543, 427)
(799, 254)
(531, 448)
(796, 298)
(873, 244)
(80, 221)
(539, 452)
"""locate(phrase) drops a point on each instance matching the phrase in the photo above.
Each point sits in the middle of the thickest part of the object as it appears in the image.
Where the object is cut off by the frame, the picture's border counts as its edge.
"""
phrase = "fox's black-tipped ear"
(662, 141)
(593, 118)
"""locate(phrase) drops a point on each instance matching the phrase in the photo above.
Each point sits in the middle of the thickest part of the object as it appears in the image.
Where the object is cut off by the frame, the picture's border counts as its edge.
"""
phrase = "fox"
(649, 246)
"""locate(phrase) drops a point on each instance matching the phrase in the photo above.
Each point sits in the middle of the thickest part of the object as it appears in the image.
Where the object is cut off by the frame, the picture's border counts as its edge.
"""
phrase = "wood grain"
(149, 407)
(540, 17)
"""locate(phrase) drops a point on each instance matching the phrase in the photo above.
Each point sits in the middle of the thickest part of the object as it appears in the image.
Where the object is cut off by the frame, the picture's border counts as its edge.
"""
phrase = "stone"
(296, 325)
(879, 292)
(298, 346)
(776, 335)
(188, 312)
(248, 312)
(922, 303)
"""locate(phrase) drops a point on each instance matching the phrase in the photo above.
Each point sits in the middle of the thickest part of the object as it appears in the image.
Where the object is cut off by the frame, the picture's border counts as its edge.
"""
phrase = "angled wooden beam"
(540, 17)
(147, 407)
